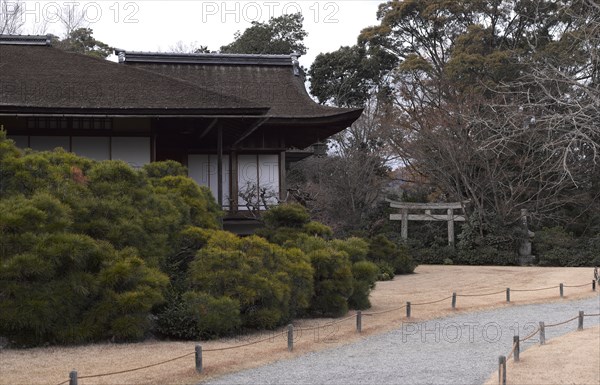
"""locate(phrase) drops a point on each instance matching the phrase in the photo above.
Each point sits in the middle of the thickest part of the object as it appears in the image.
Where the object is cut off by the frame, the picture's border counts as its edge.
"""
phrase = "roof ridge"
(205, 58)
(45, 40)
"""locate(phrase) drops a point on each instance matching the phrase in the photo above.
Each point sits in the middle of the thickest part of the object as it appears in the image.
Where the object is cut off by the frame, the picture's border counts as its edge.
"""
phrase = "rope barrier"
(514, 347)
(343, 320)
(432, 302)
(585, 284)
(327, 324)
(243, 345)
(562, 323)
(531, 335)
(385, 311)
(542, 288)
(134, 369)
(480, 295)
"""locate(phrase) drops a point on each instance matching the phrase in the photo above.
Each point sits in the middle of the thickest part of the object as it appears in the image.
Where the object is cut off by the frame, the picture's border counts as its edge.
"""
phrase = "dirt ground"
(52, 365)
(571, 359)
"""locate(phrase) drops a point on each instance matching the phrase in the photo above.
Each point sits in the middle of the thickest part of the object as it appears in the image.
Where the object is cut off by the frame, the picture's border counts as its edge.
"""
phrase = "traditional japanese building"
(234, 120)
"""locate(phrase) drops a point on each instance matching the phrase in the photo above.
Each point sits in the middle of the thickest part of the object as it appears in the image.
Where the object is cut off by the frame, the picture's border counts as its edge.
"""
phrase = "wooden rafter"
(249, 131)
(208, 128)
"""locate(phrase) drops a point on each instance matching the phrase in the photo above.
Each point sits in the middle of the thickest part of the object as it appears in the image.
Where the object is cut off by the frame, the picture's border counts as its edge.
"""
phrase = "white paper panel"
(49, 143)
(198, 169)
(269, 176)
(135, 151)
(247, 176)
(22, 141)
(203, 169)
(97, 148)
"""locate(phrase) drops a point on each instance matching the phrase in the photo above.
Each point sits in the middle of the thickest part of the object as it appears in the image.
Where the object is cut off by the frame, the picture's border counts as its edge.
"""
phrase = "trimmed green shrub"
(270, 283)
(382, 250)
(307, 243)
(364, 276)
(333, 282)
(71, 289)
(385, 272)
(485, 255)
(557, 247)
(435, 254)
(174, 319)
(81, 243)
(288, 215)
(318, 229)
(356, 248)
(214, 316)
(158, 170)
(491, 244)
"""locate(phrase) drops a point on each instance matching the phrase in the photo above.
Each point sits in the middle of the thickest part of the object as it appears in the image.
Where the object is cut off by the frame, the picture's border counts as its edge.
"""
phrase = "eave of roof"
(23, 111)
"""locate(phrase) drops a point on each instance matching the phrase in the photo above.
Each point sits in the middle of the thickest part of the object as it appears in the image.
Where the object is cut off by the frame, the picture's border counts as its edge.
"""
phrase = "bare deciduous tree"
(71, 18)
(12, 17)
(499, 106)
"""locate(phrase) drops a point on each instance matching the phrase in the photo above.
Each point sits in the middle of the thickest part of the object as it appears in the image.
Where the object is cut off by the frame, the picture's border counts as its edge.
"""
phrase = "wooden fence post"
(502, 370)
(359, 321)
(580, 323)
(73, 377)
(542, 333)
(290, 337)
(517, 348)
(508, 294)
(561, 290)
(454, 300)
(408, 310)
(199, 358)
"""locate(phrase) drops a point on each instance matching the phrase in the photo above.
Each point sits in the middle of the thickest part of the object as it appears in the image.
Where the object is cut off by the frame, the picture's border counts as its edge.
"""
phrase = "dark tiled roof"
(264, 79)
(39, 77)
(36, 78)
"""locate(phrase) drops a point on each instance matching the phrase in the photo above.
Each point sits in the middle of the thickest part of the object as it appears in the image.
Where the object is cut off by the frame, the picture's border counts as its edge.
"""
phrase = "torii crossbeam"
(450, 217)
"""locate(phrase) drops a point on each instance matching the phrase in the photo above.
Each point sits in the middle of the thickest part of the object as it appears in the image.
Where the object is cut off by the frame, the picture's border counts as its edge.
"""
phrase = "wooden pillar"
(233, 180)
(282, 173)
(451, 227)
(404, 223)
(220, 166)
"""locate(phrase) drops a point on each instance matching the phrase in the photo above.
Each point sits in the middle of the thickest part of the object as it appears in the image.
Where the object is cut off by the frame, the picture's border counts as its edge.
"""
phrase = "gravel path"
(460, 349)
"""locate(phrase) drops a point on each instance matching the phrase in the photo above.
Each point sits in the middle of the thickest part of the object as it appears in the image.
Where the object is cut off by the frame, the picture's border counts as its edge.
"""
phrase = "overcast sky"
(152, 25)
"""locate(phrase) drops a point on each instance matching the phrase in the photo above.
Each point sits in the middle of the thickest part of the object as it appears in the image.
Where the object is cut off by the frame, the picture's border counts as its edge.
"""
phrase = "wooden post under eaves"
(220, 165)
(233, 182)
(282, 182)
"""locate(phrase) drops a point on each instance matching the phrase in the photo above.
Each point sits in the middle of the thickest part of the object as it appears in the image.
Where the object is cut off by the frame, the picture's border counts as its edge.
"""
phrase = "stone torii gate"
(450, 217)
